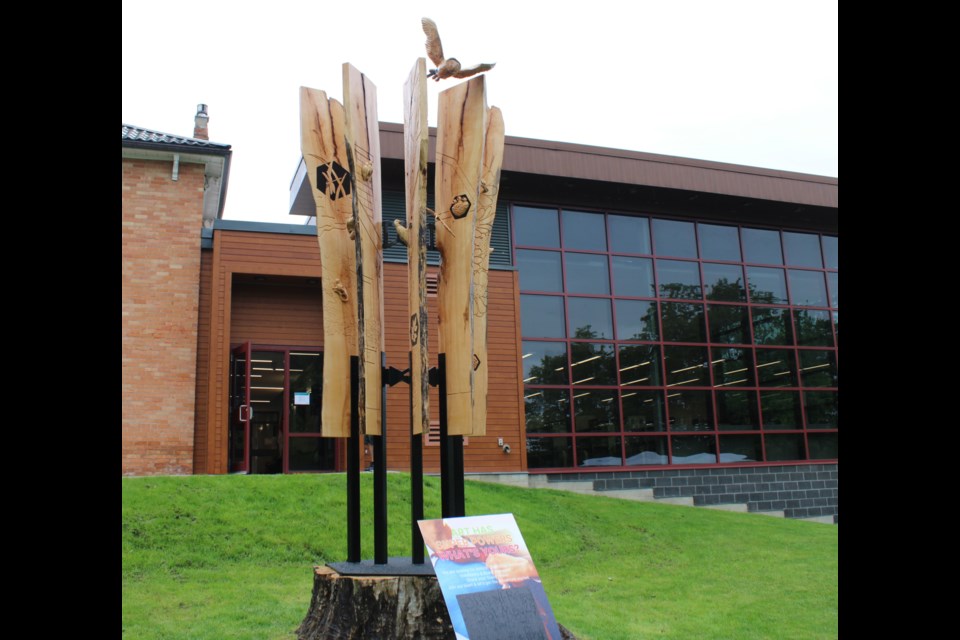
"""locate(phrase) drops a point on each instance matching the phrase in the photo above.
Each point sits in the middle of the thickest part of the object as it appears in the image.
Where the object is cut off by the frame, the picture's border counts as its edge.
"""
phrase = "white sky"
(740, 81)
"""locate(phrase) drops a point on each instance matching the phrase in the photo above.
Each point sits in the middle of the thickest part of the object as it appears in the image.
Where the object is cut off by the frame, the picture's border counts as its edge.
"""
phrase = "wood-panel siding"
(239, 309)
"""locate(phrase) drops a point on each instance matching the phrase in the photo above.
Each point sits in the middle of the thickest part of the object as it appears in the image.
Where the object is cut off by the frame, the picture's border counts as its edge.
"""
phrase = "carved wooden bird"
(446, 67)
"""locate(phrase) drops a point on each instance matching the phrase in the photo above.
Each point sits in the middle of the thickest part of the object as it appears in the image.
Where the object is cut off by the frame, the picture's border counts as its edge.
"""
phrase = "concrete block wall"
(160, 286)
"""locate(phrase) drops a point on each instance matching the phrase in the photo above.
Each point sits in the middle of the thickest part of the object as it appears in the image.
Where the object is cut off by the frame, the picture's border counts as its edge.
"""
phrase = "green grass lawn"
(232, 557)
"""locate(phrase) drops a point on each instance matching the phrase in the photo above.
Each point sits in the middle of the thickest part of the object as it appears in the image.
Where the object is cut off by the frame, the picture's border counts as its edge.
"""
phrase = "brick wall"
(160, 279)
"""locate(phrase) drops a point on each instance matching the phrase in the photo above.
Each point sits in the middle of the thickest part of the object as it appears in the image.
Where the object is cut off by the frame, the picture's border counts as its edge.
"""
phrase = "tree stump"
(364, 607)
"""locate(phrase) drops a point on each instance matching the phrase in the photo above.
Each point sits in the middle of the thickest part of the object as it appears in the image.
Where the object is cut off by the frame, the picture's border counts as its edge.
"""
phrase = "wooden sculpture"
(446, 67)
(325, 157)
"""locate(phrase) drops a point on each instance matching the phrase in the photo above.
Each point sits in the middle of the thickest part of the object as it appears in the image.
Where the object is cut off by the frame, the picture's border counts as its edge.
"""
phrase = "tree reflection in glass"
(544, 362)
(596, 410)
(548, 411)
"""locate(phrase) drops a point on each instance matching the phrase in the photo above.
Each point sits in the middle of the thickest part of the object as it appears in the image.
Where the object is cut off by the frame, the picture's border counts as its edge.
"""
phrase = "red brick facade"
(160, 281)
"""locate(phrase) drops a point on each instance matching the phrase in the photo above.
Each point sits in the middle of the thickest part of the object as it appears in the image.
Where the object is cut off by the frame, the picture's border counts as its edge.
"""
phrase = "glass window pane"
(590, 318)
(643, 411)
(596, 410)
(737, 410)
(823, 446)
(694, 450)
(724, 282)
(732, 367)
(830, 246)
(823, 409)
(582, 230)
(785, 447)
(640, 365)
(642, 451)
(729, 324)
(633, 277)
(544, 362)
(740, 449)
(719, 242)
(674, 238)
(813, 328)
(781, 410)
(599, 452)
(542, 316)
(807, 288)
(592, 363)
(818, 368)
(587, 273)
(539, 270)
(686, 366)
(776, 368)
(833, 279)
(767, 286)
(629, 234)
(690, 410)
(836, 325)
(682, 322)
(536, 227)
(803, 249)
(306, 379)
(549, 453)
(771, 326)
(762, 246)
(636, 320)
(311, 454)
(548, 410)
(679, 279)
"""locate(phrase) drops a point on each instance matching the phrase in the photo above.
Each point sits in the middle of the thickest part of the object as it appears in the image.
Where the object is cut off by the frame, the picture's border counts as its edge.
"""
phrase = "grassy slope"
(231, 557)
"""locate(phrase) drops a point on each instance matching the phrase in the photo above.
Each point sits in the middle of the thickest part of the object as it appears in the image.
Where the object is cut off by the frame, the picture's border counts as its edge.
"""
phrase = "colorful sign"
(489, 582)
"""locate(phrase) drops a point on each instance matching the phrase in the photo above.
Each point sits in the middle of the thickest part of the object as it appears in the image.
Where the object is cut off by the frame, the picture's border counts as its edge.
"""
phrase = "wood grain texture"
(461, 130)
(322, 144)
(486, 212)
(363, 153)
(415, 147)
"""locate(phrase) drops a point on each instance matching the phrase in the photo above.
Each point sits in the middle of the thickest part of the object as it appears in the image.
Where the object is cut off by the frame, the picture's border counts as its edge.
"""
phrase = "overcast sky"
(746, 82)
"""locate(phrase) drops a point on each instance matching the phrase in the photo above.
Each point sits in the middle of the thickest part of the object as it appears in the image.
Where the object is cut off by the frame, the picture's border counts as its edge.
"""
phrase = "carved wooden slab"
(363, 154)
(325, 156)
(415, 145)
(461, 129)
(486, 212)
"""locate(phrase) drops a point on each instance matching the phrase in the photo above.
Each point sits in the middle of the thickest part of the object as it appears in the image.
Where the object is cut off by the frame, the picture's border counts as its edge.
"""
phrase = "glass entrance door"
(267, 399)
(239, 431)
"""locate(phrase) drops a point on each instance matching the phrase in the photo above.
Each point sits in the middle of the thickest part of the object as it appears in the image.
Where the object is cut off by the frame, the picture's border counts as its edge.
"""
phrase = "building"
(654, 321)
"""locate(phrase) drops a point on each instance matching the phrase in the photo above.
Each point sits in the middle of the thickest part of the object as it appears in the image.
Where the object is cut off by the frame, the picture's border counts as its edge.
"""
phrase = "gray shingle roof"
(130, 133)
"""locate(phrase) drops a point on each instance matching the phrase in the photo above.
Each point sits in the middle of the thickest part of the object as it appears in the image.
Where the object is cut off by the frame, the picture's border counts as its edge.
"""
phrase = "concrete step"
(823, 519)
(682, 501)
(775, 514)
(641, 495)
(738, 507)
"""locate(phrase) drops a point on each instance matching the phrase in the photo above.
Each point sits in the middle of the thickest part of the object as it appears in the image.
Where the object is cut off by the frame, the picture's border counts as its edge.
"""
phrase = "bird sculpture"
(446, 67)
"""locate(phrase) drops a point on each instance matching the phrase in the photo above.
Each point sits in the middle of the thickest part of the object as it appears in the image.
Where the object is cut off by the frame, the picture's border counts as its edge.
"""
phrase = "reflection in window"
(686, 366)
(729, 324)
(833, 279)
(640, 365)
(582, 230)
(642, 451)
(823, 446)
(539, 270)
(737, 410)
(818, 368)
(306, 392)
(592, 363)
(590, 318)
(311, 454)
(690, 410)
(548, 453)
(636, 320)
(548, 411)
(694, 450)
(599, 452)
(732, 367)
(544, 362)
(679, 279)
(633, 277)
(719, 242)
(771, 326)
(674, 238)
(776, 368)
(643, 410)
(803, 249)
(813, 328)
(536, 227)
(807, 288)
(762, 246)
(587, 273)
(830, 251)
(784, 447)
(822, 408)
(781, 410)
(767, 286)
(682, 322)
(724, 282)
(542, 316)
(596, 410)
(740, 449)
(629, 234)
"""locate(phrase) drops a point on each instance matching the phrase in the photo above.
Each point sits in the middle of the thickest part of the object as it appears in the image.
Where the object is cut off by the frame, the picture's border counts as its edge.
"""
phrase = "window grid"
(577, 440)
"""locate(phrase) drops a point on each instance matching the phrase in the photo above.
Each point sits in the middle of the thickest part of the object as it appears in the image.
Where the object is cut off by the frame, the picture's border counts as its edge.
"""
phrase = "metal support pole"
(353, 465)
(447, 508)
(380, 478)
(416, 481)
(458, 497)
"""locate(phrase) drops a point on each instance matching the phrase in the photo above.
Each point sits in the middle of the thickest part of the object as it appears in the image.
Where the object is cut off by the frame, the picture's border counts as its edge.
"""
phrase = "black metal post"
(446, 476)
(353, 465)
(416, 480)
(458, 498)
(380, 476)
